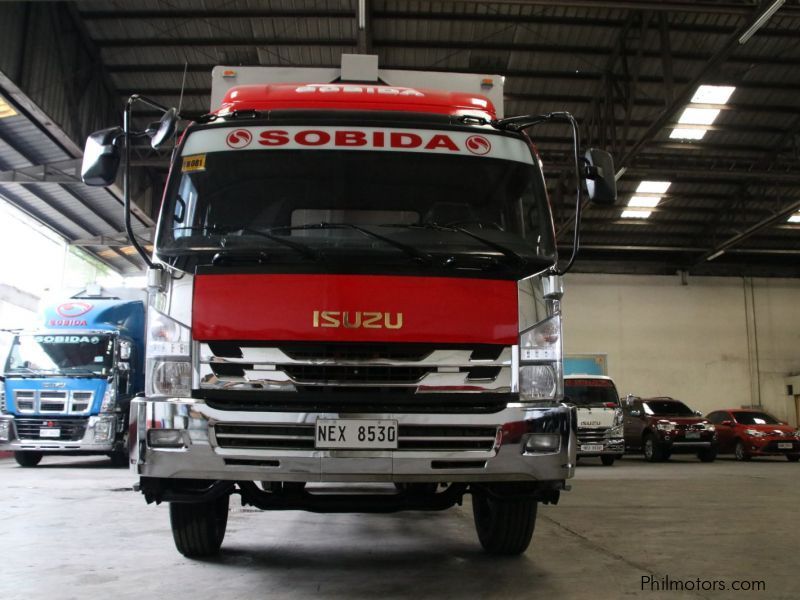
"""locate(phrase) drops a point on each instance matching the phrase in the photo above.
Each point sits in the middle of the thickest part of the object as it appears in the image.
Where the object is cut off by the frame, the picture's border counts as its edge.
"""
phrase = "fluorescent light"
(713, 94)
(760, 22)
(653, 187)
(5, 109)
(636, 214)
(795, 218)
(715, 255)
(644, 201)
(681, 133)
(698, 116)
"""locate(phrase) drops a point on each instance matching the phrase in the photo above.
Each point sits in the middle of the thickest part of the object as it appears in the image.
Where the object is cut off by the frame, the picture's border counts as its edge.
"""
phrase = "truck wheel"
(199, 528)
(707, 454)
(27, 458)
(740, 452)
(793, 457)
(504, 525)
(607, 459)
(653, 452)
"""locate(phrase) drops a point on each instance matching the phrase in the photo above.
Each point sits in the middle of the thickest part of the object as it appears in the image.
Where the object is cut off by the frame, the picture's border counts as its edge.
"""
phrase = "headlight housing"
(665, 426)
(615, 432)
(109, 399)
(540, 371)
(754, 433)
(169, 368)
(5, 430)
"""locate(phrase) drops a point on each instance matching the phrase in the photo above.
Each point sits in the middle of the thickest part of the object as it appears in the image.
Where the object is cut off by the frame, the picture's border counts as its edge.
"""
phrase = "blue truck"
(69, 383)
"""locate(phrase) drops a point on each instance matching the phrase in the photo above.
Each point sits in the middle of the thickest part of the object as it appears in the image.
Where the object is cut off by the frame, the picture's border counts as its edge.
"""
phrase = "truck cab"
(69, 383)
(600, 420)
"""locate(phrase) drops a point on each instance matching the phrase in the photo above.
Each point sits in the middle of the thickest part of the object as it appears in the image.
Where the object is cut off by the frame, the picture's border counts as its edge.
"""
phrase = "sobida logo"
(355, 138)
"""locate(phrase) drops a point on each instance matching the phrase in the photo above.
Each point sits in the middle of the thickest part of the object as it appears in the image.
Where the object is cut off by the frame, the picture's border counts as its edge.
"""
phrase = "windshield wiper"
(297, 246)
(507, 252)
(418, 255)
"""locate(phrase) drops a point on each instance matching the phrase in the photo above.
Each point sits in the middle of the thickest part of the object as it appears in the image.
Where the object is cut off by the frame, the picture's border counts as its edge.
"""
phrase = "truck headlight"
(104, 429)
(5, 430)
(109, 399)
(665, 426)
(540, 371)
(614, 432)
(169, 368)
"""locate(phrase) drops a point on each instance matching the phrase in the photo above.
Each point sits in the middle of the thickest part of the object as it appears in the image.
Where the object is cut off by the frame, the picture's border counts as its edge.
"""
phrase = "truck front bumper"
(24, 433)
(198, 454)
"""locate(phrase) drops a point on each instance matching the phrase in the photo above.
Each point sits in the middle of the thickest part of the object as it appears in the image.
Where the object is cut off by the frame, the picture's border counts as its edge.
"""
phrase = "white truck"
(600, 419)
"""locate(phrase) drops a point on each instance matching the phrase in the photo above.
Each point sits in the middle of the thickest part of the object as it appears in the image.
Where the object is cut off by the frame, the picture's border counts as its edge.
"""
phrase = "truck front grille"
(421, 438)
(72, 430)
(53, 402)
(384, 375)
(591, 435)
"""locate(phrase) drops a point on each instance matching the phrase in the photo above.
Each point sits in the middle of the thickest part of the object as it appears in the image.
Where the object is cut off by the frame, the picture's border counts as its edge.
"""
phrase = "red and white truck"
(354, 280)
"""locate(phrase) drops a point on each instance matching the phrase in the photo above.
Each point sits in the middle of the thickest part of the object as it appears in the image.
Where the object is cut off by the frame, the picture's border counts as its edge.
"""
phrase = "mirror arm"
(525, 121)
(126, 176)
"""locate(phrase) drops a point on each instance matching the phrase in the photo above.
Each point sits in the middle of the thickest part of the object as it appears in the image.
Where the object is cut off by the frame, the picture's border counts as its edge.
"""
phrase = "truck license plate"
(591, 447)
(366, 434)
(49, 433)
(785, 446)
(693, 435)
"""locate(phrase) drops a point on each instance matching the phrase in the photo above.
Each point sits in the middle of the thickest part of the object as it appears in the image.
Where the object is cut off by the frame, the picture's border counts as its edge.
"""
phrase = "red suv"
(752, 432)
(659, 427)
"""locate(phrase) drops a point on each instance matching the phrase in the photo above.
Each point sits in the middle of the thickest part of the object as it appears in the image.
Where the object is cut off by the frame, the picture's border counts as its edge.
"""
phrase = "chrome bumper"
(87, 443)
(202, 458)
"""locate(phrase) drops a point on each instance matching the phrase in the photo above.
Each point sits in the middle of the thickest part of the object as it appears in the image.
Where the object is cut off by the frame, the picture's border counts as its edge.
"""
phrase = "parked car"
(751, 432)
(659, 427)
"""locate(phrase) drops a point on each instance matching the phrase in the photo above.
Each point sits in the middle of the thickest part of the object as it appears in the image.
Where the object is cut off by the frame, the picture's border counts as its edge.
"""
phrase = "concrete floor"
(71, 528)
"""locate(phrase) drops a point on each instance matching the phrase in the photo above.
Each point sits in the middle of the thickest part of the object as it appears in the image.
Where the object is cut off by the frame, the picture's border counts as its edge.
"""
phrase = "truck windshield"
(295, 194)
(62, 354)
(664, 408)
(590, 392)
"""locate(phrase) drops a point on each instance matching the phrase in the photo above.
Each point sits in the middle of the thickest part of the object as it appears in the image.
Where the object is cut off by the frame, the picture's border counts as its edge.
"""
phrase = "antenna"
(183, 86)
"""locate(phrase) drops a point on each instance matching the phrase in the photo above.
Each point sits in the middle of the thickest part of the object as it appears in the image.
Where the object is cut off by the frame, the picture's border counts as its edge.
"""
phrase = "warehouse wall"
(716, 342)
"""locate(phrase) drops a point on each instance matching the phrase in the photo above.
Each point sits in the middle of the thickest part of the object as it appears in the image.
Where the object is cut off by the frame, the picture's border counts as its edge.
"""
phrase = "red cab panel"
(354, 308)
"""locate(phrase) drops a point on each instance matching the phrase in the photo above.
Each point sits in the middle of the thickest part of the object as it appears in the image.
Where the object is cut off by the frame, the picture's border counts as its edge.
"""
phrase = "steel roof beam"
(221, 42)
(214, 13)
(749, 232)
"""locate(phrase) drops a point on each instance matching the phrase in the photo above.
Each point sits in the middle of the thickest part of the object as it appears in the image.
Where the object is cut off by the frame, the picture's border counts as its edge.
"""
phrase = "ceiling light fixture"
(636, 214)
(644, 201)
(698, 116)
(795, 218)
(713, 94)
(682, 133)
(653, 187)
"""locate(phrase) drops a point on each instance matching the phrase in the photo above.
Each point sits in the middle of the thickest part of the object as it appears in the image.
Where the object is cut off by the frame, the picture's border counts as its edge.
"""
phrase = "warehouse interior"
(688, 287)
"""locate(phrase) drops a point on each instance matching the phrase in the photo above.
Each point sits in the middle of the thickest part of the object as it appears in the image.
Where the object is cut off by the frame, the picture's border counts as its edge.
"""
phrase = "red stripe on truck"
(354, 308)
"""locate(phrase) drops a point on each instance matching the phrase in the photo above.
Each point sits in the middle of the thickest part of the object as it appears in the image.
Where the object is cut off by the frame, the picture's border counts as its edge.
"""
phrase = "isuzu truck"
(69, 382)
(354, 280)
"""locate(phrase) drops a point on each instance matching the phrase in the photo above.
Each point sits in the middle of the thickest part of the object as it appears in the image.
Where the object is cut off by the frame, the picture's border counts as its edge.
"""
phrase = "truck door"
(633, 423)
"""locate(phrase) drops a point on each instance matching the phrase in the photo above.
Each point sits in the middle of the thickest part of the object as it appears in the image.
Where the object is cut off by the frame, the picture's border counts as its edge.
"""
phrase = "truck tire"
(740, 452)
(504, 525)
(199, 528)
(653, 452)
(607, 459)
(27, 458)
(707, 454)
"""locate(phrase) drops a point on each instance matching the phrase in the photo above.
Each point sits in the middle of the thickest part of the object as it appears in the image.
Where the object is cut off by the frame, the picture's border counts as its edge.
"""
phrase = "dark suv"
(658, 427)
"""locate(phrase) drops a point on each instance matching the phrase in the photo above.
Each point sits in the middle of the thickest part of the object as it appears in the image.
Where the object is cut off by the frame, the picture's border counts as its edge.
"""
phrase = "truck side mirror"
(101, 157)
(636, 413)
(698, 413)
(164, 129)
(601, 183)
